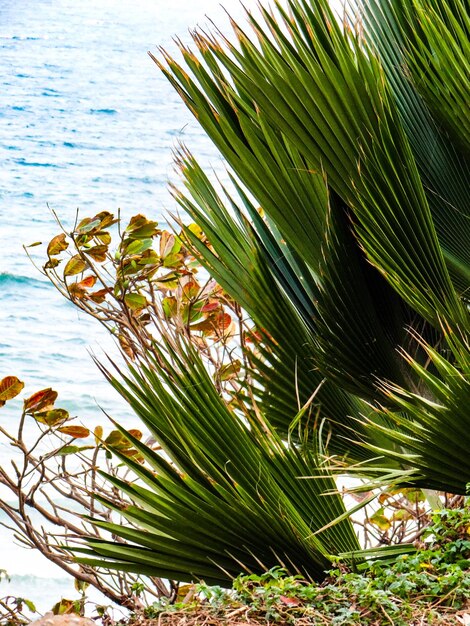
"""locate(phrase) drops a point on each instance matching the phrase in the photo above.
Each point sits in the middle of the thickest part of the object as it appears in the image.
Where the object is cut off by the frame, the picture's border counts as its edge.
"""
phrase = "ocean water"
(86, 122)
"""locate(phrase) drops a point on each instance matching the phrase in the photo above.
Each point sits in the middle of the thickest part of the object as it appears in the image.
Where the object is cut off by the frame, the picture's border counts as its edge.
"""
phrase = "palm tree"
(353, 140)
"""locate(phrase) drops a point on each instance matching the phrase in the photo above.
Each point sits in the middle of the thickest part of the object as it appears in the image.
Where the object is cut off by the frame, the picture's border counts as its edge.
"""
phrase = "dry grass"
(244, 616)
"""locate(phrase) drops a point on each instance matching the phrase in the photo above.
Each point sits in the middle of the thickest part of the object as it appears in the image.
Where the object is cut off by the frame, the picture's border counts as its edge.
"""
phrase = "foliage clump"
(430, 586)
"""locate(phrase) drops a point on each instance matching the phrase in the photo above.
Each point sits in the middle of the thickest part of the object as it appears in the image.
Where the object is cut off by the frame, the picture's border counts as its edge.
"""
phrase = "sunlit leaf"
(115, 438)
(40, 400)
(149, 257)
(104, 237)
(401, 515)
(170, 306)
(100, 295)
(136, 221)
(172, 260)
(141, 228)
(57, 245)
(168, 281)
(51, 263)
(230, 371)
(97, 253)
(77, 432)
(169, 244)
(31, 606)
(137, 246)
(76, 291)
(135, 301)
(88, 225)
(196, 230)
(10, 387)
(380, 520)
(65, 450)
(191, 290)
(75, 265)
(106, 219)
(98, 433)
(88, 282)
(66, 607)
(51, 417)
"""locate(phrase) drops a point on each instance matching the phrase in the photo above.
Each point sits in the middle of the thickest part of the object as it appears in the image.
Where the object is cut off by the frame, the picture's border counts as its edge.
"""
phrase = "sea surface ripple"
(87, 122)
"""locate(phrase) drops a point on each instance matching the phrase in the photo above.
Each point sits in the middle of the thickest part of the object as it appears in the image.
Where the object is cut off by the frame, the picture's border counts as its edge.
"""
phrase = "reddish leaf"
(100, 295)
(133, 454)
(210, 306)
(289, 601)
(88, 282)
(40, 400)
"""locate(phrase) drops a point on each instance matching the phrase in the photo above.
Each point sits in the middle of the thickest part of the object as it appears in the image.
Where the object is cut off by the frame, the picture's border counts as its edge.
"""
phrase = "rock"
(63, 620)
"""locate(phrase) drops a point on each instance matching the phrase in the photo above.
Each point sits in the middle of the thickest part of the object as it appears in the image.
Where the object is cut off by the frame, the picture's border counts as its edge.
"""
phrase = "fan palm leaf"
(226, 496)
(356, 271)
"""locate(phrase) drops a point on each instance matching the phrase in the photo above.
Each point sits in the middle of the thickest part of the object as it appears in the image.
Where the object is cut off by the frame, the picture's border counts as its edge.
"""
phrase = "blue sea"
(87, 123)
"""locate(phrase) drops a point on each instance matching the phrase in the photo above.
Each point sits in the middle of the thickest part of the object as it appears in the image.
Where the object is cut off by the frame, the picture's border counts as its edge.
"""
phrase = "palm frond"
(226, 497)
(430, 430)
(391, 26)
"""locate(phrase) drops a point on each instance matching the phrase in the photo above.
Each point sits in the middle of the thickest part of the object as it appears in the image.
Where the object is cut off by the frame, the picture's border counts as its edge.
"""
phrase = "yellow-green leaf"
(52, 417)
(74, 266)
(380, 520)
(98, 432)
(135, 301)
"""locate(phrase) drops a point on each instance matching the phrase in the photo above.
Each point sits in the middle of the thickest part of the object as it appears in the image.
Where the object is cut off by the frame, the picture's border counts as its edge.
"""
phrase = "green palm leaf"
(344, 237)
(226, 497)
